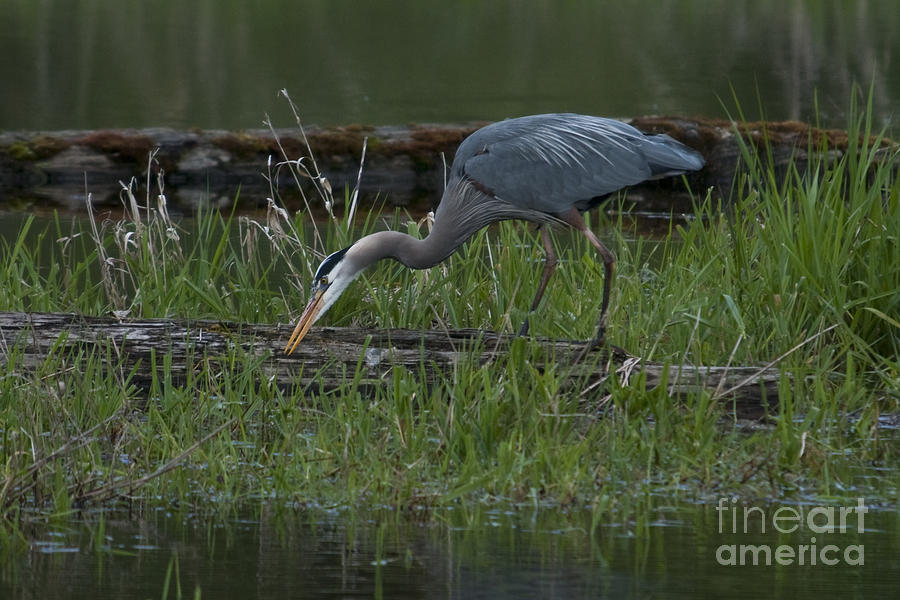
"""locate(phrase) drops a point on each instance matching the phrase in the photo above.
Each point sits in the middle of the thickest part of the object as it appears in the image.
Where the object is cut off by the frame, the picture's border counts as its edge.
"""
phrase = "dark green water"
(221, 63)
(669, 552)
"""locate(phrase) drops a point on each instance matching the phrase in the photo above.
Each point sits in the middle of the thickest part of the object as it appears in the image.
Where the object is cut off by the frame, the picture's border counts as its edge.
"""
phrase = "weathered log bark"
(328, 354)
(404, 165)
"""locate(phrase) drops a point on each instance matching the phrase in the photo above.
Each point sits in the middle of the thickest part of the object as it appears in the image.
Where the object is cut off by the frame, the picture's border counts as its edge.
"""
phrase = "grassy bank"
(803, 269)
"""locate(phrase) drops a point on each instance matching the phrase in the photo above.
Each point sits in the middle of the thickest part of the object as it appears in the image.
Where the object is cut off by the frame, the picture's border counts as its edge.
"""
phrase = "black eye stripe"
(329, 263)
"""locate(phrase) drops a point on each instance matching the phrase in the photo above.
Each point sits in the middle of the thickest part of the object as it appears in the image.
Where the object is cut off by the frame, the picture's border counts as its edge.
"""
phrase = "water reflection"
(513, 553)
(201, 64)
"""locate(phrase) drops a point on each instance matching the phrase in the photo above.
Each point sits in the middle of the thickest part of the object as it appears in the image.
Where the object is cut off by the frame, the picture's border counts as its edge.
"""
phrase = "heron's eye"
(323, 280)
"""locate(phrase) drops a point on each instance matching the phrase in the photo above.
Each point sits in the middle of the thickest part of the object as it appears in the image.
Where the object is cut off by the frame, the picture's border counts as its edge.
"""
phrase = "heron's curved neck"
(414, 253)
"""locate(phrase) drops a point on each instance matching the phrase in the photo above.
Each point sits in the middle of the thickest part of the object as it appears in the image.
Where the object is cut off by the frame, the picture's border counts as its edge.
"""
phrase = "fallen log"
(404, 166)
(328, 354)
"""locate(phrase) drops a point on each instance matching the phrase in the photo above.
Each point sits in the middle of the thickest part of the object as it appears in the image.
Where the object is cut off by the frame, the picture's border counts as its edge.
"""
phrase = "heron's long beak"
(306, 320)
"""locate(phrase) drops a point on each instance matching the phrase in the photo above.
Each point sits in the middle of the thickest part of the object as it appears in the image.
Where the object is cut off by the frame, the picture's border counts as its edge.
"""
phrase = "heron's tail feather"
(667, 157)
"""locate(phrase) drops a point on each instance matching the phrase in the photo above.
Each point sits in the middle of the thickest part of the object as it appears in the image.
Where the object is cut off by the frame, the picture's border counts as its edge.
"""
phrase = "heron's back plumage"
(551, 163)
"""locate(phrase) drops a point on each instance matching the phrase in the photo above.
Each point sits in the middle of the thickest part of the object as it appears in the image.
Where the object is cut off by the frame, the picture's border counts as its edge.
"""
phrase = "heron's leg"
(573, 218)
(550, 262)
(609, 263)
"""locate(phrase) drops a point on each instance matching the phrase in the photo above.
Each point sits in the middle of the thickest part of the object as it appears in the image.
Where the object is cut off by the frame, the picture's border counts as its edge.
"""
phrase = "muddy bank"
(404, 166)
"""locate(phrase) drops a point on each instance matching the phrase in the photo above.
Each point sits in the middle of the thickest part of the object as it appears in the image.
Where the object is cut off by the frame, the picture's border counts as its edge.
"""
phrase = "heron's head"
(332, 278)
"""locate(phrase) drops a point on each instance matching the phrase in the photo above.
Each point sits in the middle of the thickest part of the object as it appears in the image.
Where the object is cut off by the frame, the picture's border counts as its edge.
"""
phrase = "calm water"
(220, 63)
(515, 554)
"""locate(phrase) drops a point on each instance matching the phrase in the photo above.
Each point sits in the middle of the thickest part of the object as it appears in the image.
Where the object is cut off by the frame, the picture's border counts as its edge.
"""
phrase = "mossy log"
(329, 355)
(404, 166)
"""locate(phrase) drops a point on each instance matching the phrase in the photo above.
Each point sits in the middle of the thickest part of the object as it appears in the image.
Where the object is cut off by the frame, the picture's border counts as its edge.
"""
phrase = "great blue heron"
(547, 169)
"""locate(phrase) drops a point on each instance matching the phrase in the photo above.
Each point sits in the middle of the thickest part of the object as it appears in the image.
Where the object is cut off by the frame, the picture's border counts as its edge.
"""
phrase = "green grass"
(813, 257)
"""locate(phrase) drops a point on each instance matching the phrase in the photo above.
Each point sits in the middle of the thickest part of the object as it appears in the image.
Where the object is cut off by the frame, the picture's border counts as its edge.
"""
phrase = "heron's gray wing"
(550, 162)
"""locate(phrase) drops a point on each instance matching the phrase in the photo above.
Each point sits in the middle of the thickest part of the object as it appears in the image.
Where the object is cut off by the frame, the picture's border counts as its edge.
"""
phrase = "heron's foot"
(607, 351)
(598, 343)
(590, 346)
(524, 330)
